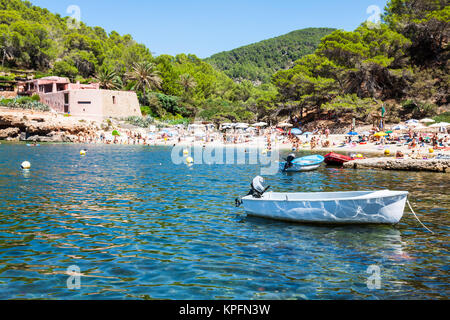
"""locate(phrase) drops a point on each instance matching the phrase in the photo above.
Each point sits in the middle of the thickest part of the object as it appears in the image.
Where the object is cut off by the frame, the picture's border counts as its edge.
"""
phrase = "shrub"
(420, 109)
(147, 111)
(443, 117)
(142, 122)
(26, 103)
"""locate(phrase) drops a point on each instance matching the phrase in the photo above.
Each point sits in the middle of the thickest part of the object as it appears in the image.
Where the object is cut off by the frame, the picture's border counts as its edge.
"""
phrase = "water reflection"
(141, 230)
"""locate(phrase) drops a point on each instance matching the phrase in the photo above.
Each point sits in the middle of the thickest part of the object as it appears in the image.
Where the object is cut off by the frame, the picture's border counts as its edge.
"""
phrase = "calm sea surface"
(139, 227)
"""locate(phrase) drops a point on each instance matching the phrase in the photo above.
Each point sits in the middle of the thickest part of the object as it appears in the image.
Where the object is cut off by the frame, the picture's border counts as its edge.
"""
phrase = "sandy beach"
(34, 126)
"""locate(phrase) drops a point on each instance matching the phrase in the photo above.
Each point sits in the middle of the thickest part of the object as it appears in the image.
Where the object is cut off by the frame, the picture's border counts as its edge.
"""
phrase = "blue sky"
(206, 27)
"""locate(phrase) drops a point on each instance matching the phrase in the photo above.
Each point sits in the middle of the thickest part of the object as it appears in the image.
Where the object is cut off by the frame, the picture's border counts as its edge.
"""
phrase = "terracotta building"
(84, 100)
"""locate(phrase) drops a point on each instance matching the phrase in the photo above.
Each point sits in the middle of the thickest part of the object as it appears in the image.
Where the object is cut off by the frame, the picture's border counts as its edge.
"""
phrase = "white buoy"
(25, 165)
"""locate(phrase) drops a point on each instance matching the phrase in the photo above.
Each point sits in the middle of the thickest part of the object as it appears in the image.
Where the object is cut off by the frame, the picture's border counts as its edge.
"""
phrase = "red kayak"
(337, 159)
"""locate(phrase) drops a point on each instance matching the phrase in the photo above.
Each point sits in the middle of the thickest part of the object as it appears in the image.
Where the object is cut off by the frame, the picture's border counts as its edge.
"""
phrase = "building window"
(114, 99)
(84, 102)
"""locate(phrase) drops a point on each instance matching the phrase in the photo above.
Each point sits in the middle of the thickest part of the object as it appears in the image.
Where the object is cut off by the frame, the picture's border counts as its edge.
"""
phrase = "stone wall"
(8, 94)
(86, 103)
(120, 104)
(54, 101)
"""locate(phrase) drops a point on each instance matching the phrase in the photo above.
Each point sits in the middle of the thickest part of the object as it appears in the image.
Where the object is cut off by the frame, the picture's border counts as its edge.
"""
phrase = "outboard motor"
(257, 187)
(257, 190)
(289, 161)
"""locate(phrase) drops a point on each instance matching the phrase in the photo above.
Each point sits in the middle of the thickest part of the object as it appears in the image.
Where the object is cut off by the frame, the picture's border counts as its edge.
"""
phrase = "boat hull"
(337, 159)
(299, 168)
(308, 163)
(381, 207)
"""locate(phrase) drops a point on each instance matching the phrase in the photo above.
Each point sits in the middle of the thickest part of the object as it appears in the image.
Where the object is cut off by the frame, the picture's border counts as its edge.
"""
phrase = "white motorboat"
(308, 163)
(358, 207)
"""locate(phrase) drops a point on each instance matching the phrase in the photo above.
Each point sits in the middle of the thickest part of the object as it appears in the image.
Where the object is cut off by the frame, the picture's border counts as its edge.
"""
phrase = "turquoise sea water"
(139, 227)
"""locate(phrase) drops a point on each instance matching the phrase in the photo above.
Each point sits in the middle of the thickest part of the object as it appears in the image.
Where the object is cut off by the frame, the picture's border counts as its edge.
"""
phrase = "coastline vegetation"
(401, 63)
(28, 103)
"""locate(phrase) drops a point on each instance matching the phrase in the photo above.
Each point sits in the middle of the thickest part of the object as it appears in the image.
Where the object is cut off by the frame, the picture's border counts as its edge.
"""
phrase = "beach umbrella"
(440, 125)
(352, 133)
(260, 124)
(115, 133)
(400, 127)
(427, 121)
(389, 132)
(380, 134)
(280, 130)
(412, 123)
(285, 125)
(366, 133)
(296, 131)
(242, 126)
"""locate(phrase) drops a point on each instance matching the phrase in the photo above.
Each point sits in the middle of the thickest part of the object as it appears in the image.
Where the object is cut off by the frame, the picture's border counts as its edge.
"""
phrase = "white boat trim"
(290, 196)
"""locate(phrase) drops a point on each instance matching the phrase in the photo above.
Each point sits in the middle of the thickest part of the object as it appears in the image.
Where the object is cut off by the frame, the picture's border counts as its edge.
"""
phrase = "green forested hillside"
(258, 61)
(402, 62)
(32, 38)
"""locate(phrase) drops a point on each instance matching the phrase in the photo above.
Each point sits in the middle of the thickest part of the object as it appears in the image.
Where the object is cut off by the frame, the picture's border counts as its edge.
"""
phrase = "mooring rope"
(410, 207)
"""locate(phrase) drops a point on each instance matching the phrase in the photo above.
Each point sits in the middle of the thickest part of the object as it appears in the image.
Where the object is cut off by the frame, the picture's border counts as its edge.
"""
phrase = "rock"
(9, 133)
(40, 129)
(400, 164)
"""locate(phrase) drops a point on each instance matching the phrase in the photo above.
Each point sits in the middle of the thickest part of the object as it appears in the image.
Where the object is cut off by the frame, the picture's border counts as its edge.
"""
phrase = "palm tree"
(144, 76)
(187, 82)
(109, 79)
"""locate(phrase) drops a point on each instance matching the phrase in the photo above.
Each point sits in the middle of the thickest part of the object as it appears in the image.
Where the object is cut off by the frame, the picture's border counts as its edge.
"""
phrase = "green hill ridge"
(259, 61)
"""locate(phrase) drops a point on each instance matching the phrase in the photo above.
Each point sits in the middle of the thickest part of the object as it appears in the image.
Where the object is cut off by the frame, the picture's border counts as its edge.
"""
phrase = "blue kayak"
(308, 163)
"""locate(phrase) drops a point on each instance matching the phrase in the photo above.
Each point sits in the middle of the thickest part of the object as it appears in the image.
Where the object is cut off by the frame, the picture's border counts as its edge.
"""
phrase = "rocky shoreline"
(41, 127)
(431, 165)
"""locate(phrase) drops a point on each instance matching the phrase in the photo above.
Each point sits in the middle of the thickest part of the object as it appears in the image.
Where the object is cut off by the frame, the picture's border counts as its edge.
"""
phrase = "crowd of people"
(320, 137)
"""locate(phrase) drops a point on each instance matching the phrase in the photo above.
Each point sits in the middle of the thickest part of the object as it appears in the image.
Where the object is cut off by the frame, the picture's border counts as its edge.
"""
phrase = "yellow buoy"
(185, 152)
(359, 156)
(25, 165)
(83, 152)
(431, 150)
(387, 152)
(189, 160)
